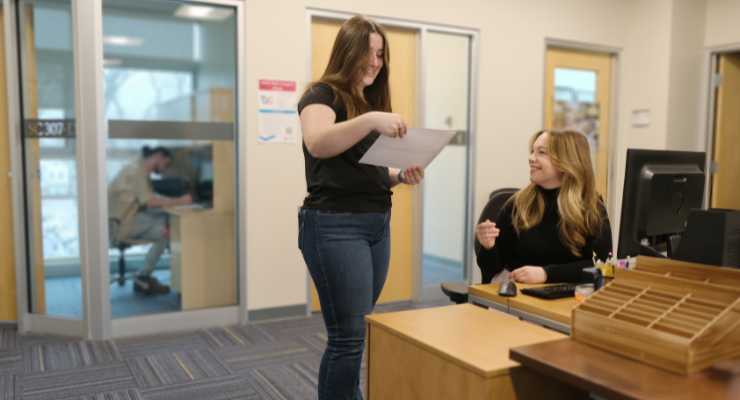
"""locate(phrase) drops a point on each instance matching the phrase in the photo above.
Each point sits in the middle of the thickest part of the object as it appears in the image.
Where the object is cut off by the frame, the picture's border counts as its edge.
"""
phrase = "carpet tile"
(233, 387)
(131, 394)
(10, 386)
(179, 367)
(57, 356)
(284, 382)
(76, 383)
(262, 361)
(315, 340)
(229, 336)
(9, 339)
(140, 346)
(41, 339)
(11, 362)
(267, 355)
(294, 327)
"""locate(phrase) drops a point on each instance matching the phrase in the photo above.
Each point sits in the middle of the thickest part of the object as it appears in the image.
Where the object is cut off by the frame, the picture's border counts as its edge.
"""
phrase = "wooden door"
(600, 63)
(725, 185)
(8, 304)
(399, 285)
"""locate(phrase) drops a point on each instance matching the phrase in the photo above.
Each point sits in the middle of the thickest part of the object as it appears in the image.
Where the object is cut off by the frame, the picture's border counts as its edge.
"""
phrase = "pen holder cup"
(600, 281)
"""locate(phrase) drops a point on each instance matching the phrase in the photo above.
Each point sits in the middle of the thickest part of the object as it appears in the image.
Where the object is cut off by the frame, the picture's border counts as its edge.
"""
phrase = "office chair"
(113, 225)
(456, 291)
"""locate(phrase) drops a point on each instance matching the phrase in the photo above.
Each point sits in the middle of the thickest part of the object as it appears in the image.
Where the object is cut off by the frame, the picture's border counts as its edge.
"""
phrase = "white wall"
(446, 107)
(510, 101)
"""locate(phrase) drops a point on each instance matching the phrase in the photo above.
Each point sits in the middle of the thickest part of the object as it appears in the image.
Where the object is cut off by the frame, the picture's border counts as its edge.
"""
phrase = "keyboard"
(552, 292)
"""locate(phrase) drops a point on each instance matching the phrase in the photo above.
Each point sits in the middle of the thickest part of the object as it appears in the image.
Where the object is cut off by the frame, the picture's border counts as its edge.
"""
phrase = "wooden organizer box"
(678, 316)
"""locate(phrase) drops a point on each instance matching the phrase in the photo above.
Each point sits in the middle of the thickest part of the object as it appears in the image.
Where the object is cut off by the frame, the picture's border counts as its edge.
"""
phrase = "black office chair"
(121, 244)
(456, 291)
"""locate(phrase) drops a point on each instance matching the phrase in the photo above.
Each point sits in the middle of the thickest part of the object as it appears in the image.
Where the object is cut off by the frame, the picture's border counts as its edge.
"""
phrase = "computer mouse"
(507, 289)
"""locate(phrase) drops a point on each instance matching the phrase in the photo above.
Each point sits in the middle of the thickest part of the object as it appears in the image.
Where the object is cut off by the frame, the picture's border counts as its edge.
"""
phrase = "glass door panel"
(170, 94)
(48, 129)
(446, 106)
(577, 96)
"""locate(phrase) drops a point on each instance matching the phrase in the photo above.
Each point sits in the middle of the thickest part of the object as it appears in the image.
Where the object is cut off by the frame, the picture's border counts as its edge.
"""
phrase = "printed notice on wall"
(277, 113)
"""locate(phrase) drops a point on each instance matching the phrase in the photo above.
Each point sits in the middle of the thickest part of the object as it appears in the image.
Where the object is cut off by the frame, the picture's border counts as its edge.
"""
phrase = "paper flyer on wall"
(277, 113)
(418, 147)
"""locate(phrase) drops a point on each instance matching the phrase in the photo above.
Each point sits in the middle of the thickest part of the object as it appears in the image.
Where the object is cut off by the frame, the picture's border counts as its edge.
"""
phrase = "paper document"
(418, 147)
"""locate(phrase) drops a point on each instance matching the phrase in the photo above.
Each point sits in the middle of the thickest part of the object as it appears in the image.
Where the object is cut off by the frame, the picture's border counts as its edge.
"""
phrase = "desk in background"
(615, 377)
(203, 257)
(554, 314)
(455, 352)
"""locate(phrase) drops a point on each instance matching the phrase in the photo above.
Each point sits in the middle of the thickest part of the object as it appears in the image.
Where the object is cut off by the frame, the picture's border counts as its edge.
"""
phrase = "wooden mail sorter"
(679, 316)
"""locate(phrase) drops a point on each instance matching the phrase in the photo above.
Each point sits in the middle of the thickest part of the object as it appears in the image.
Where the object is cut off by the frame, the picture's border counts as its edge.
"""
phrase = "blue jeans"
(347, 255)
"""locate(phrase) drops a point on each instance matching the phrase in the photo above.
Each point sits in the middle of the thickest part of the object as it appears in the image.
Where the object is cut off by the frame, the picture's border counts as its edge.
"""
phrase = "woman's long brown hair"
(578, 201)
(347, 63)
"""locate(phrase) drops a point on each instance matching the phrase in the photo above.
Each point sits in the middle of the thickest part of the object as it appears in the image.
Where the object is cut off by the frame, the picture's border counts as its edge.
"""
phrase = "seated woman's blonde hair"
(578, 201)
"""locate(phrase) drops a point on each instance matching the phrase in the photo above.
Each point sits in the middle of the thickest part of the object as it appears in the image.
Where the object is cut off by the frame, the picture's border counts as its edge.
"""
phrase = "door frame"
(96, 323)
(419, 293)
(614, 98)
(709, 108)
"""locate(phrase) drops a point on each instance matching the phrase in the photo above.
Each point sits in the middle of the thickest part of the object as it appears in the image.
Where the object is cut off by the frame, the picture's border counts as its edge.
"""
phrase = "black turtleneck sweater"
(541, 246)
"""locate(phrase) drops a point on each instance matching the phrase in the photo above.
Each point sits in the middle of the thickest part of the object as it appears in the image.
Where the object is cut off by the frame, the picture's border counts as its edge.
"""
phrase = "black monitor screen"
(660, 188)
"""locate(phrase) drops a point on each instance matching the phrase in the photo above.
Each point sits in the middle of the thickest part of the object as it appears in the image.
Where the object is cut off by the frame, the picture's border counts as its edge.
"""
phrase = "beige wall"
(643, 84)
(509, 109)
(685, 76)
(722, 18)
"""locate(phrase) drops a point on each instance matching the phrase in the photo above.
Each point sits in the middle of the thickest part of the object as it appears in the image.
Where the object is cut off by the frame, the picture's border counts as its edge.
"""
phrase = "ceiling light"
(203, 13)
(122, 41)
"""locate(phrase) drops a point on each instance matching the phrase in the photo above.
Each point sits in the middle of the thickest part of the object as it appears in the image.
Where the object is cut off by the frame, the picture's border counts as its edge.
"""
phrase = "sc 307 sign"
(49, 128)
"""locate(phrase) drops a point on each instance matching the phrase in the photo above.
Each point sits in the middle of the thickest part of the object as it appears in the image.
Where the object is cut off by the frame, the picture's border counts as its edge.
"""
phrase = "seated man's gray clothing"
(149, 225)
(128, 194)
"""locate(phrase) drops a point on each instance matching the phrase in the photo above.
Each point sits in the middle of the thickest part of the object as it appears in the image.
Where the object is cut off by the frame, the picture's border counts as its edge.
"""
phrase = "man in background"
(131, 200)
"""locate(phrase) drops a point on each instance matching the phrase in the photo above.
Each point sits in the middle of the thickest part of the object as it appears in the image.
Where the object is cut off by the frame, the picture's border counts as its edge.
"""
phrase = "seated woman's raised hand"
(487, 233)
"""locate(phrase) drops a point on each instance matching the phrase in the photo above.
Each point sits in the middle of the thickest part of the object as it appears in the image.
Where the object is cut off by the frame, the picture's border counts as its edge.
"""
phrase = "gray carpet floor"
(272, 360)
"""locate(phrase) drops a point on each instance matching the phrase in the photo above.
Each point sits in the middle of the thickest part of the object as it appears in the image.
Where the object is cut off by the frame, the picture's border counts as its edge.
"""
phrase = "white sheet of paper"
(418, 147)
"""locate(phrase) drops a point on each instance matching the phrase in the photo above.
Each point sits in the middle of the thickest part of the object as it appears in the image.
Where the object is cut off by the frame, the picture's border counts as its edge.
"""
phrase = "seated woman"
(548, 231)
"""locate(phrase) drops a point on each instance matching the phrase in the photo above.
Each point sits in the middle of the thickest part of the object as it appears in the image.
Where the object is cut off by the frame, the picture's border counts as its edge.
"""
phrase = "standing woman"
(344, 231)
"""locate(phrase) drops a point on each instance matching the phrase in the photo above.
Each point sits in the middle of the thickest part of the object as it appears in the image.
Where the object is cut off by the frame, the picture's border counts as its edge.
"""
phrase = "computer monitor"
(191, 172)
(660, 189)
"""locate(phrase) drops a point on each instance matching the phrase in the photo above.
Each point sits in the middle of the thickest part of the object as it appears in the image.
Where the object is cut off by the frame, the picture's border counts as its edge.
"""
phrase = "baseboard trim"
(268, 314)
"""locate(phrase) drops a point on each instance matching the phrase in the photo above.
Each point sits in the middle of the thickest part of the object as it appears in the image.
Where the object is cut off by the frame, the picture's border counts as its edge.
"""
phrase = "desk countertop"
(615, 377)
(557, 310)
(469, 336)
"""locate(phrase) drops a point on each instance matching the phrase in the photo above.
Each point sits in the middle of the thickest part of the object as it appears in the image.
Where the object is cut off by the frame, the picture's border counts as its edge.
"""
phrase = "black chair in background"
(121, 244)
(456, 291)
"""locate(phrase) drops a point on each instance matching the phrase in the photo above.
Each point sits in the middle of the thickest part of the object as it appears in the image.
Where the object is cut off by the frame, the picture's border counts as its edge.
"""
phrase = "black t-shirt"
(341, 183)
(541, 245)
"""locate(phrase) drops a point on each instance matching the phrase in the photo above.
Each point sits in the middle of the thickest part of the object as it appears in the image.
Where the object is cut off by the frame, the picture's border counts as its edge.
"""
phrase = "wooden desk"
(203, 257)
(615, 377)
(455, 352)
(555, 314)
